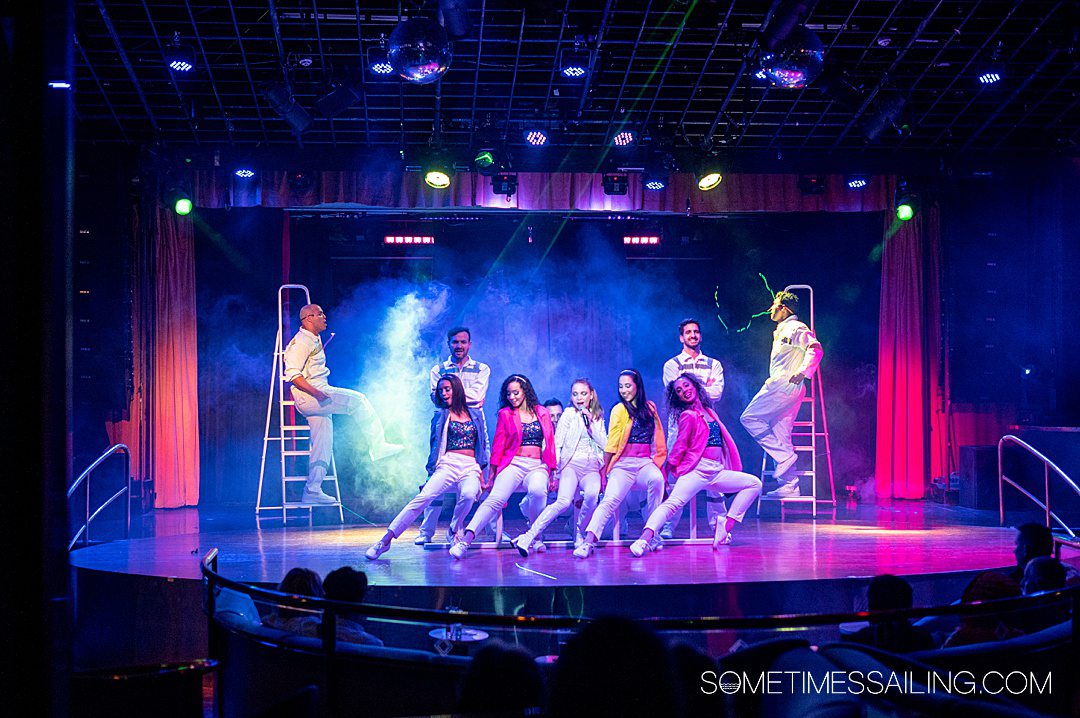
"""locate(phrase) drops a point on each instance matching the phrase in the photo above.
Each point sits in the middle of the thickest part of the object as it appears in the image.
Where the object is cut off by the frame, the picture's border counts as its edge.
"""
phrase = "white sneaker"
(785, 491)
(377, 549)
(539, 546)
(318, 496)
(639, 547)
(785, 466)
(578, 540)
(459, 549)
(667, 532)
(721, 535)
(584, 550)
(421, 540)
(385, 451)
(523, 543)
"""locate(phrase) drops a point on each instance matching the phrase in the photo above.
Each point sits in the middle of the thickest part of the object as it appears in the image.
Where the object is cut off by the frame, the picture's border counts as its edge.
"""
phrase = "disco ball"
(420, 51)
(797, 62)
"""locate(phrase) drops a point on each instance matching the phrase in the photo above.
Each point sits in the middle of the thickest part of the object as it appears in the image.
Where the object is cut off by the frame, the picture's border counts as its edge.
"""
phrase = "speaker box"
(978, 477)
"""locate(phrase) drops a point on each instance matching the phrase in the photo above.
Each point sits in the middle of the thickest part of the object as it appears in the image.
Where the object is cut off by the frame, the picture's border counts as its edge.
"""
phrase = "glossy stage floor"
(795, 565)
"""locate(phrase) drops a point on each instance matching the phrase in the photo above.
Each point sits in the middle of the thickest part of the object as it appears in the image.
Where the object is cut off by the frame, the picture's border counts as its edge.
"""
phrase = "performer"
(633, 456)
(555, 408)
(703, 456)
(579, 456)
(458, 457)
(522, 454)
(305, 367)
(711, 373)
(474, 377)
(769, 417)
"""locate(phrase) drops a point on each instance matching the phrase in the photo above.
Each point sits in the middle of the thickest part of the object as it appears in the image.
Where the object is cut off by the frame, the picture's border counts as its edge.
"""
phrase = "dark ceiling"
(673, 71)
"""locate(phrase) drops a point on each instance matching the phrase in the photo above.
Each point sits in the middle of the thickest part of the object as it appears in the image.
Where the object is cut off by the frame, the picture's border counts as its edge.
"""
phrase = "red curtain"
(910, 426)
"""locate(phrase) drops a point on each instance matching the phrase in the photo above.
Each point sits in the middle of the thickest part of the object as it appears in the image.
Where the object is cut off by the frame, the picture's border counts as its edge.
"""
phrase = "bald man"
(305, 367)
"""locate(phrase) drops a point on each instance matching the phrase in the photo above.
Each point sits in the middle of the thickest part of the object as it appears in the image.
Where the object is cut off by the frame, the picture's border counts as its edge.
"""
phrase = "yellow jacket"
(619, 432)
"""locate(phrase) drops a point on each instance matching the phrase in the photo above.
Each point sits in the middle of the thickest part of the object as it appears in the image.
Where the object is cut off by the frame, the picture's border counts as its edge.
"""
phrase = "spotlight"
(658, 168)
(489, 161)
(989, 77)
(992, 72)
(655, 184)
(179, 199)
(857, 181)
(616, 183)
(623, 138)
(408, 239)
(244, 173)
(338, 98)
(178, 56)
(378, 62)
(635, 239)
(283, 103)
(574, 63)
(905, 201)
(709, 179)
(437, 174)
(535, 136)
(300, 181)
(504, 183)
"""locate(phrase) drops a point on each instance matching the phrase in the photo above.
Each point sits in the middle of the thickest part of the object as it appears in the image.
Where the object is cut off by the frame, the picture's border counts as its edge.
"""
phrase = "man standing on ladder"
(305, 367)
(770, 416)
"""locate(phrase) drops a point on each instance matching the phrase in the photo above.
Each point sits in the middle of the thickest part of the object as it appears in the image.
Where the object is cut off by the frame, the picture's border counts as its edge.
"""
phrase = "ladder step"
(296, 427)
(296, 452)
(772, 472)
(298, 505)
(803, 448)
(304, 478)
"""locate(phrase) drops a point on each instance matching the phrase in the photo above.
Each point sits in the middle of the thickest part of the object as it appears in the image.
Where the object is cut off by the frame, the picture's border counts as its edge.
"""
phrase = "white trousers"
(319, 418)
(715, 506)
(462, 505)
(628, 473)
(578, 475)
(709, 474)
(453, 470)
(770, 416)
(532, 474)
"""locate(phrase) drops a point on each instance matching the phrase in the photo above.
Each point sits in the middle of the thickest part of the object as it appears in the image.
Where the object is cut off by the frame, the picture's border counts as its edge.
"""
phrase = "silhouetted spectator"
(615, 668)
(690, 665)
(1032, 541)
(297, 582)
(348, 585)
(987, 586)
(501, 680)
(1044, 574)
(885, 593)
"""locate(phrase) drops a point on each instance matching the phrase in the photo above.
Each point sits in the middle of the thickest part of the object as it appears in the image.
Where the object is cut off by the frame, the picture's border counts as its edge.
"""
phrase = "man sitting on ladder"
(305, 367)
(770, 415)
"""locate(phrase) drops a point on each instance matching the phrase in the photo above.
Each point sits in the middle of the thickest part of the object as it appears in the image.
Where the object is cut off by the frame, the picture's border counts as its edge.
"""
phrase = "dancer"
(579, 456)
(634, 453)
(522, 454)
(711, 373)
(474, 376)
(458, 457)
(769, 417)
(305, 367)
(704, 456)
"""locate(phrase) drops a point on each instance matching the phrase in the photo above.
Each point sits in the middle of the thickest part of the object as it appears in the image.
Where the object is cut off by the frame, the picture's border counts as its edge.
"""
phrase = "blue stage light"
(244, 173)
(857, 181)
(624, 138)
(535, 137)
(990, 77)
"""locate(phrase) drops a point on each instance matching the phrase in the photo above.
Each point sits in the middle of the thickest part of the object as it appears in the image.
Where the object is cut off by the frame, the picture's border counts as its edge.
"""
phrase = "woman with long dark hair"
(458, 456)
(522, 454)
(580, 438)
(633, 456)
(704, 456)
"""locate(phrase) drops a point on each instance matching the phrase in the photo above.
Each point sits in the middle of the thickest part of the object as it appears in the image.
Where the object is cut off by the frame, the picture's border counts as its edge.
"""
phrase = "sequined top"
(715, 438)
(532, 434)
(641, 432)
(460, 435)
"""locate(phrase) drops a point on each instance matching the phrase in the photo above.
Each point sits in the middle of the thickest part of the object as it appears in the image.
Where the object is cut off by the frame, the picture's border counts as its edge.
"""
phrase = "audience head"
(302, 582)
(346, 584)
(1032, 540)
(887, 592)
(501, 679)
(1043, 573)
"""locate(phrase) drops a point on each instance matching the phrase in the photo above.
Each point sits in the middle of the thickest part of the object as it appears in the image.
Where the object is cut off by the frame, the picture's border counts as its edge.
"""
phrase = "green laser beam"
(767, 287)
(752, 318)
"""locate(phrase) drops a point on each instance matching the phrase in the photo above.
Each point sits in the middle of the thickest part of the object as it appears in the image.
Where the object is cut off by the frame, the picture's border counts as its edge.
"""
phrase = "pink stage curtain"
(174, 420)
(540, 191)
(908, 353)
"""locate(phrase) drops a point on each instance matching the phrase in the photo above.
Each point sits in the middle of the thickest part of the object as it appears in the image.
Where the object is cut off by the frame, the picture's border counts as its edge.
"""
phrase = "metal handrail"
(1047, 466)
(208, 568)
(84, 532)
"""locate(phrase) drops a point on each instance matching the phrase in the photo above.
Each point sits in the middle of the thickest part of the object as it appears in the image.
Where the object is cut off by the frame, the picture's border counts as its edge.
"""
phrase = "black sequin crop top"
(641, 432)
(532, 434)
(715, 438)
(460, 435)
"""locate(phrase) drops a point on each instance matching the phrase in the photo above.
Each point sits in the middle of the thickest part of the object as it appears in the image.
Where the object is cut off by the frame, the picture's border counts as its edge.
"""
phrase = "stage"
(150, 588)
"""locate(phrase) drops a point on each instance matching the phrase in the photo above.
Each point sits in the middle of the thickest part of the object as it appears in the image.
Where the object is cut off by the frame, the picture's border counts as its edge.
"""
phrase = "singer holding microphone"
(305, 367)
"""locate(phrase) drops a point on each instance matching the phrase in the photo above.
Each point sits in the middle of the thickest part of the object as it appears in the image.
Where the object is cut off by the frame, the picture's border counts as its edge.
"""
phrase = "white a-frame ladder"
(288, 434)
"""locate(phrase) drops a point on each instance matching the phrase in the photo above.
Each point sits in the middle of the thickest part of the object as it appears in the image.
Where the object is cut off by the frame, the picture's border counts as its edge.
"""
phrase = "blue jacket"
(438, 443)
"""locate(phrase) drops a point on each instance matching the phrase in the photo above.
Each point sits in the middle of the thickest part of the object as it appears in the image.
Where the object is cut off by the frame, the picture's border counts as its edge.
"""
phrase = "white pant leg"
(770, 415)
(536, 487)
(446, 475)
(568, 488)
(619, 482)
(651, 480)
(430, 524)
(589, 483)
(686, 487)
(746, 485)
(506, 483)
(321, 451)
(345, 401)
(715, 507)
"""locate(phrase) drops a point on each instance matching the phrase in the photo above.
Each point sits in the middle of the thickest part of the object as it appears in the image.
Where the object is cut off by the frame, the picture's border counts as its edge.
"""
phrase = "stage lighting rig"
(624, 137)
(504, 183)
(709, 178)
(179, 57)
(906, 201)
(438, 173)
(857, 181)
(574, 64)
(535, 136)
(616, 183)
(284, 103)
(992, 72)
(378, 61)
(179, 198)
(657, 171)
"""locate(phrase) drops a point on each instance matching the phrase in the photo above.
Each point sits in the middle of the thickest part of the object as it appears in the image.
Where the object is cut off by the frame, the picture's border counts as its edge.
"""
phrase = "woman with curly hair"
(634, 453)
(704, 456)
(580, 438)
(522, 454)
(458, 457)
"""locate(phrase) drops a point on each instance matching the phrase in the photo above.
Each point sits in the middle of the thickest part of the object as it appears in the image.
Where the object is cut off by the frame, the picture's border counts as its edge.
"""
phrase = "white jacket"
(571, 430)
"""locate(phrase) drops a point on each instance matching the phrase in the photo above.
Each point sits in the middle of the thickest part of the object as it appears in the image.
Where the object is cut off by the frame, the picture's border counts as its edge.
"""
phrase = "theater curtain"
(911, 432)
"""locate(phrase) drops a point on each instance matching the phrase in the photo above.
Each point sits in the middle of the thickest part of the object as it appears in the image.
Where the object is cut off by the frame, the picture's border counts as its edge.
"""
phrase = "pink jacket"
(508, 438)
(690, 443)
